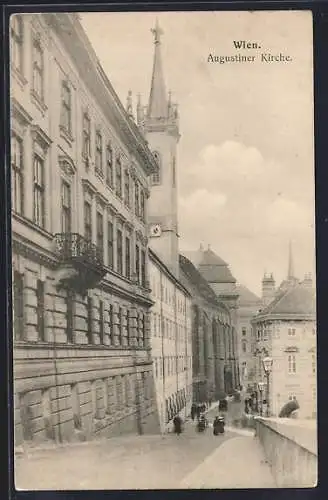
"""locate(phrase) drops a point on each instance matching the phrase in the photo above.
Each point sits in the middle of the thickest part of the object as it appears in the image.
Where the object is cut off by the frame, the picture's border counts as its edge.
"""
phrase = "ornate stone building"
(80, 188)
(217, 274)
(285, 330)
(212, 346)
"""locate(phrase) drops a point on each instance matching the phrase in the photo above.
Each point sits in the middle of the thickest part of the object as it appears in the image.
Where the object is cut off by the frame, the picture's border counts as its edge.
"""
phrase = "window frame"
(39, 191)
(17, 174)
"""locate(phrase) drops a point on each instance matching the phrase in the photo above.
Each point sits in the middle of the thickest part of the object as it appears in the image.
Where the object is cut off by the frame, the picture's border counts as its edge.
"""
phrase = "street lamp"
(261, 387)
(267, 365)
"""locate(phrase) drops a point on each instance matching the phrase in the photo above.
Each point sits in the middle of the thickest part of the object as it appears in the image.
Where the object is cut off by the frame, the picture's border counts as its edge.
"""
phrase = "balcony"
(81, 265)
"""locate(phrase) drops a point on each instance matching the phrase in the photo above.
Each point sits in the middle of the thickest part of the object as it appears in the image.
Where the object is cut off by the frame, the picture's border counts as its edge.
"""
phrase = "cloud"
(245, 210)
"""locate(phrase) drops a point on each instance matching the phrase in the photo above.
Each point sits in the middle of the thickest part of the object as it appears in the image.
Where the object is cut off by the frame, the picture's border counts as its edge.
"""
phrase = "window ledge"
(39, 102)
(19, 77)
(66, 135)
(32, 225)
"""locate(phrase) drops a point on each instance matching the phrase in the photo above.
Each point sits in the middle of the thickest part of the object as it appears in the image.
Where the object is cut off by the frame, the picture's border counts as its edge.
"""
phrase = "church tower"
(159, 122)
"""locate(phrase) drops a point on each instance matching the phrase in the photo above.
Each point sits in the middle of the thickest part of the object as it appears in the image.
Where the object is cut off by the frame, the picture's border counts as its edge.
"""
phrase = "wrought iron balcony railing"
(73, 246)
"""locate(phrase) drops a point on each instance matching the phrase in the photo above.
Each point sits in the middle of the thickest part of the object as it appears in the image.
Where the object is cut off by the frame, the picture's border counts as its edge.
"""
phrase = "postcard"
(163, 249)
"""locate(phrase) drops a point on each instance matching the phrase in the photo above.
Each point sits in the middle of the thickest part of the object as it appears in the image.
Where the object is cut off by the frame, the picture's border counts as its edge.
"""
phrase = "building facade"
(248, 306)
(171, 343)
(80, 186)
(212, 345)
(286, 331)
(217, 274)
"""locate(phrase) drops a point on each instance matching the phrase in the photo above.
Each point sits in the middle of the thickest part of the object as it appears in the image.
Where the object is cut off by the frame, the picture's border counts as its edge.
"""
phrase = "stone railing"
(290, 447)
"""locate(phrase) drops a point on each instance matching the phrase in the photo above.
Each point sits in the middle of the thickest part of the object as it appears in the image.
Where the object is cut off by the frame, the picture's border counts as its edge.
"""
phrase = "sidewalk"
(237, 463)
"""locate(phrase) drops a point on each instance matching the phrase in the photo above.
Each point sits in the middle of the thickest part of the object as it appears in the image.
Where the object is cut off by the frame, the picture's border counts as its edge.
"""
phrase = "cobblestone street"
(144, 462)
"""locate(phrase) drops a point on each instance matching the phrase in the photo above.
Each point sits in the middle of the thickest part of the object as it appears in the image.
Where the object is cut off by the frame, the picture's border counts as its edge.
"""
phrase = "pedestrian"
(177, 422)
(193, 411)
(198, 411)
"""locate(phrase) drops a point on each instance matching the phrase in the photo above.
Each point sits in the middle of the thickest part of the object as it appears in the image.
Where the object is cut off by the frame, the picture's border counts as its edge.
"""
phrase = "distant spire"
(158, 106)
(291, 274)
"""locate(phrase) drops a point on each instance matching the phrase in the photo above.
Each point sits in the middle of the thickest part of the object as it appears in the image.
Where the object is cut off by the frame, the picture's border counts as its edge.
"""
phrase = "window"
(291, 363)
(89, 319)
(110, 242)
(243, 331)
(138, 263)
(292, 397)
(111, 324)
(244, 345)
(18, 305)
(143, 268)
(16, 39)
(118, 169)
(127, 257)
(101, 322)
(66, 109)
(99, 165)
(136, 199)
(127, 187)
(17, 180)
(120, 324)
(87, 221)
(86, 136)
(38, 69)
(100, 232)
(66, 207)
(291, 332)
(156, 175)
(40, 310)
(109, 166)
(119, 252)
(142, 206)
(70, 316)
(128, 325)
(38, 192)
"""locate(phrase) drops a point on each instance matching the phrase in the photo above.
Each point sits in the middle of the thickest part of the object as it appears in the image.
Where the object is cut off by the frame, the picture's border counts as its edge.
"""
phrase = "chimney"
(268, 289)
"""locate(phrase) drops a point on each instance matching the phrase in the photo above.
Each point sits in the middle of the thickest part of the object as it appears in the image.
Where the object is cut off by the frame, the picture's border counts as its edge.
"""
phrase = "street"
(131, 462)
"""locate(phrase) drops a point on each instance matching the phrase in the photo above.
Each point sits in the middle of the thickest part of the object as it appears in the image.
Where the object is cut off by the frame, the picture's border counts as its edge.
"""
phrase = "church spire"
(157, 107)
(291, 273)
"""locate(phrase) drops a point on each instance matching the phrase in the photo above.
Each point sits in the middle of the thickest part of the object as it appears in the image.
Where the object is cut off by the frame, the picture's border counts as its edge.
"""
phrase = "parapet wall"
(290, 447)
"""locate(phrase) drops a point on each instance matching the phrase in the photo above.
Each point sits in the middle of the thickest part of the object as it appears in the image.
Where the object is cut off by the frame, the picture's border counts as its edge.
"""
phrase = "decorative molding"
(41, 137)
(113, 210)
(89, 186)
(34, 253)
(39, 102)
(121, 218)
(19, 113)
(67, 165)
(291, 349)
(19, 77)
(101, 199)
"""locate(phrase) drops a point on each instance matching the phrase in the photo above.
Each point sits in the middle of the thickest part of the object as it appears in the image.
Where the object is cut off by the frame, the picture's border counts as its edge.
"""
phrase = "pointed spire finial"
(157, 32)
(129, 104)
(158, 106)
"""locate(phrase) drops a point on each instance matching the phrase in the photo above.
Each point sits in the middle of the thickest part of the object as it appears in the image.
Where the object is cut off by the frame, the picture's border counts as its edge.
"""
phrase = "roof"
(214, 269)
(246, 296)
(210, 258)
(297, 300)
(197, 280)
(155, 258)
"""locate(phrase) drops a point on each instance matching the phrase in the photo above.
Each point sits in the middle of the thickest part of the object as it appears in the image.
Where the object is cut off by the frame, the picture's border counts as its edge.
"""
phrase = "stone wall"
(290, 447)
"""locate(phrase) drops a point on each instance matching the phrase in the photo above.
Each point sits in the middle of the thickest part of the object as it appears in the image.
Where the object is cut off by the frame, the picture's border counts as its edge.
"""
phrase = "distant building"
(286, 331)
(217, 274)
(81, 297)
(212, 345)
(248, 306)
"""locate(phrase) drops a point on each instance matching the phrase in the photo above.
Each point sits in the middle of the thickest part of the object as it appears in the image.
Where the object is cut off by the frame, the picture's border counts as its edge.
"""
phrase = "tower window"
(156, 177)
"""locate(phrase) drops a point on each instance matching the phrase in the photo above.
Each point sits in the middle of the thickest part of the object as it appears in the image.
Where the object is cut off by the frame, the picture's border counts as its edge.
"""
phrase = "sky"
(245, 158)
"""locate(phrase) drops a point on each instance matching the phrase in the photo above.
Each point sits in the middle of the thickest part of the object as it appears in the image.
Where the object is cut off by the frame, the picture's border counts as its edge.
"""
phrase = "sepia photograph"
(163, 250)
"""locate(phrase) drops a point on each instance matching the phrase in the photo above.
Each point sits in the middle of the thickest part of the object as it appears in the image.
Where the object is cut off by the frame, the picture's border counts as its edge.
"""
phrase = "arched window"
(156, 177)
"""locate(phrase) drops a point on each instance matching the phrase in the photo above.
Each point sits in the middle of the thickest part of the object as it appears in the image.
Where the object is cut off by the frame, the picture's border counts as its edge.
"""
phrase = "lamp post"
(267, 365)
(261, 387)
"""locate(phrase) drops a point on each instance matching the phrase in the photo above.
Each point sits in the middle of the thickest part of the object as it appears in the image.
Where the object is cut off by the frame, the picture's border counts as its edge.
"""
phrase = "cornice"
(20, 113)
(33, 252)
(41, 137)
